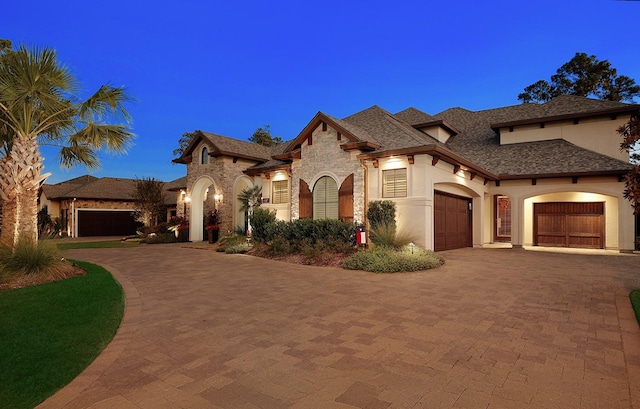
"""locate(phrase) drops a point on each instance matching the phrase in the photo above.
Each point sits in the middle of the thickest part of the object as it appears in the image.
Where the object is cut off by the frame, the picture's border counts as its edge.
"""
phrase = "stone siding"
(325, 157)
(224, 173)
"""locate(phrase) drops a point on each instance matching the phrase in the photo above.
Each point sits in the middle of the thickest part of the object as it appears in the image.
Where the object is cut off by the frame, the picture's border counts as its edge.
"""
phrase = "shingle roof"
(388, 131)
(106, 189)
(89, 187)
(479, 143)
(230, 146)
(414, 116)
(63, 188)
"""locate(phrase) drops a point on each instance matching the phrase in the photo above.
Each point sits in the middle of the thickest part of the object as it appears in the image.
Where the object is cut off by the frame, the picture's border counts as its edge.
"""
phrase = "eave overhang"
(437, 152)
(627, 109)
(619, 172)
(259, 171)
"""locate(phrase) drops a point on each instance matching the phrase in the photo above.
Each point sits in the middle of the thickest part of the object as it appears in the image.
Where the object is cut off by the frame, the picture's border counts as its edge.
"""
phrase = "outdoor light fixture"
(412, 246)
(217, 197)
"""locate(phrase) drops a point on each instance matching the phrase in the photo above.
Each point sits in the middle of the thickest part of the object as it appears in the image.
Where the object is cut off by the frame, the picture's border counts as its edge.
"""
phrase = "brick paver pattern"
(492, 328)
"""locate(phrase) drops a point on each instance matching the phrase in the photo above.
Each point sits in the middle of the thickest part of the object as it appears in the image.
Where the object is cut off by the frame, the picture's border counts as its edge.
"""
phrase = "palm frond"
(108, 100)
(113, 138)
(73, 155)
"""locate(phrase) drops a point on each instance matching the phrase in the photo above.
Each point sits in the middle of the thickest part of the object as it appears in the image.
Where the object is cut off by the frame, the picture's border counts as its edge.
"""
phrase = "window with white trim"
(325, 199)
(280, 191)
(394, 183)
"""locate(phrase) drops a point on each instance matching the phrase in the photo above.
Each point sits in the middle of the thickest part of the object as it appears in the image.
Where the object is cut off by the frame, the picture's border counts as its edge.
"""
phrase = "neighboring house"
(532, 174)
(90, 206)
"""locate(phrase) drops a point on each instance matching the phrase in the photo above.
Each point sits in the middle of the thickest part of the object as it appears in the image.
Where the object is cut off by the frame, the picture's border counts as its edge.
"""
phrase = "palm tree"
(250, 198)
(38, 107)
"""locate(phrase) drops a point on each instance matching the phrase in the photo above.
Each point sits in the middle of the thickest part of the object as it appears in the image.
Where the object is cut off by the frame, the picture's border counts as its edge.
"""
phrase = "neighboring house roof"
(62, 189)
(98, 189)
(92, 188)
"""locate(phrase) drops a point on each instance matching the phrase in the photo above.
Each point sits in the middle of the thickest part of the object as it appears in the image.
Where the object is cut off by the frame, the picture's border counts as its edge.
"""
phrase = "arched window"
(325, 199)
(205, 156)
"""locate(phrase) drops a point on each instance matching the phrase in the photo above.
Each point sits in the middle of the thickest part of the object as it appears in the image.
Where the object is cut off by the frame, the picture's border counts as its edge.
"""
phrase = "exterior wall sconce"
(217, 197)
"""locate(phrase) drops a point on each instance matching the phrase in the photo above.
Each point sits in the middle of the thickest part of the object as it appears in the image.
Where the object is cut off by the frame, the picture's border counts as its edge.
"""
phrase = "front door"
(503, 218)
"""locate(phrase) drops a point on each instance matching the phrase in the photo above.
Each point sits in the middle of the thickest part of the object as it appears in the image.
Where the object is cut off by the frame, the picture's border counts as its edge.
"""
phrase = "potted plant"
(180, 226)
(213, 226)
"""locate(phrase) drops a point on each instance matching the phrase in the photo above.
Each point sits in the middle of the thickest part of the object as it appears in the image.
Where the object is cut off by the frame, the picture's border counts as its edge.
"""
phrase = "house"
(90, 206)
(533, 174)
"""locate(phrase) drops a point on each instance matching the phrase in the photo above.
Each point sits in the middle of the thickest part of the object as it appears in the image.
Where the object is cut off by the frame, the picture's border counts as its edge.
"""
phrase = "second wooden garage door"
(106, 223)
(452, 221)
(569, 224)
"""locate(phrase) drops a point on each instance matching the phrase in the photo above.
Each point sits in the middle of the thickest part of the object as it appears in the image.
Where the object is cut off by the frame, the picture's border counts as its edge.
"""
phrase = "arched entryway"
(240, 220)
(202, 201)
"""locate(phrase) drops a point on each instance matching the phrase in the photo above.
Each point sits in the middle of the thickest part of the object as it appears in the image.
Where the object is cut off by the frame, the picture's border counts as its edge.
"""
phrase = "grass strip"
(51, 332)
(98, 244)
(635, 303)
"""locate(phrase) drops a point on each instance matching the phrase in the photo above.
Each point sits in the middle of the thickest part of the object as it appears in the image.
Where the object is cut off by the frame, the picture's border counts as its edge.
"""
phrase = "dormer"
(438, 129)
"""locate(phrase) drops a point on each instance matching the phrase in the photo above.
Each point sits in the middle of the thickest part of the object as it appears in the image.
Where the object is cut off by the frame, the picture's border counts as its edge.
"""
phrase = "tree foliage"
(250, 198)
(149, 200)
(262, 136)
(184, 142)
(630, 133)
(584, 75)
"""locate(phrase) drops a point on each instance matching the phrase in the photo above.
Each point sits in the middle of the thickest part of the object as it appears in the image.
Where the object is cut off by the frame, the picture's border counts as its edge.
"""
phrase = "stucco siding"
(596, 134)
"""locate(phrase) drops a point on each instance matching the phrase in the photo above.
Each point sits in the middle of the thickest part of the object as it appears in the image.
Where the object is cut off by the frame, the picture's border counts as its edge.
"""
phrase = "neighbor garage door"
(569, 224)
(452, 221)
(106, 223)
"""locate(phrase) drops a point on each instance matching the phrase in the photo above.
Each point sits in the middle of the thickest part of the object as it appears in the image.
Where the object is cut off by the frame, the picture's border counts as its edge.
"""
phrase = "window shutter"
(345, 200)
(305, 201)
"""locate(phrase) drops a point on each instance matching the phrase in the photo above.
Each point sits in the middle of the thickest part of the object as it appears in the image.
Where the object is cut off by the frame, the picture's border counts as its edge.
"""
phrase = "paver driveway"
(493, 328)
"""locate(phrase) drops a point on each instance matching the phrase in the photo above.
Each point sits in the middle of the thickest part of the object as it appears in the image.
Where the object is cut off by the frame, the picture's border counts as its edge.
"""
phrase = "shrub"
(386, 235)
(160, 238)
(386, 260)
(381, 212)
(260, 221)
(335, 235)
(634, 296)
(233, 245)
(27, 258)
(279, 247)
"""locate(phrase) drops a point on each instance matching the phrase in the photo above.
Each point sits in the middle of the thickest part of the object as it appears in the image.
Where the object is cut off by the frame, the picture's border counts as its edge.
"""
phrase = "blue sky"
(231, 67)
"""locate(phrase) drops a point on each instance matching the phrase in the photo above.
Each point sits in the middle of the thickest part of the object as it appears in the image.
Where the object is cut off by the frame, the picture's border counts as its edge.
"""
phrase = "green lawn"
(49, 333)
(98, 244)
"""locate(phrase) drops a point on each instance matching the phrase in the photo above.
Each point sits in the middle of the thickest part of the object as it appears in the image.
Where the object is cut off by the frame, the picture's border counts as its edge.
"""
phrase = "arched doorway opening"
(240, 218)
(202, 202)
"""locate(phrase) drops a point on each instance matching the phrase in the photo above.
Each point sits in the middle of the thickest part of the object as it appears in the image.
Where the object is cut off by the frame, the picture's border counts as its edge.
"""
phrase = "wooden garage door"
(106, 223)
(452, 221)
(569, 224)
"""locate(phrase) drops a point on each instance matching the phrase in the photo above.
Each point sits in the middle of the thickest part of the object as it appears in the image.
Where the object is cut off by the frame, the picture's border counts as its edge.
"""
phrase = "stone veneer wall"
(325, 157)
(224, 172)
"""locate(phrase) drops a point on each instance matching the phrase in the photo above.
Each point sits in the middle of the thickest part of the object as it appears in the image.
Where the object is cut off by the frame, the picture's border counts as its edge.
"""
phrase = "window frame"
(391, 188)
(277, 195)
(322, 205)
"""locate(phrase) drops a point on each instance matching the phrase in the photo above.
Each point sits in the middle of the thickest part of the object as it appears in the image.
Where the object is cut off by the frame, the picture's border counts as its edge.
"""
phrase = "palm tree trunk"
(20, 180)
